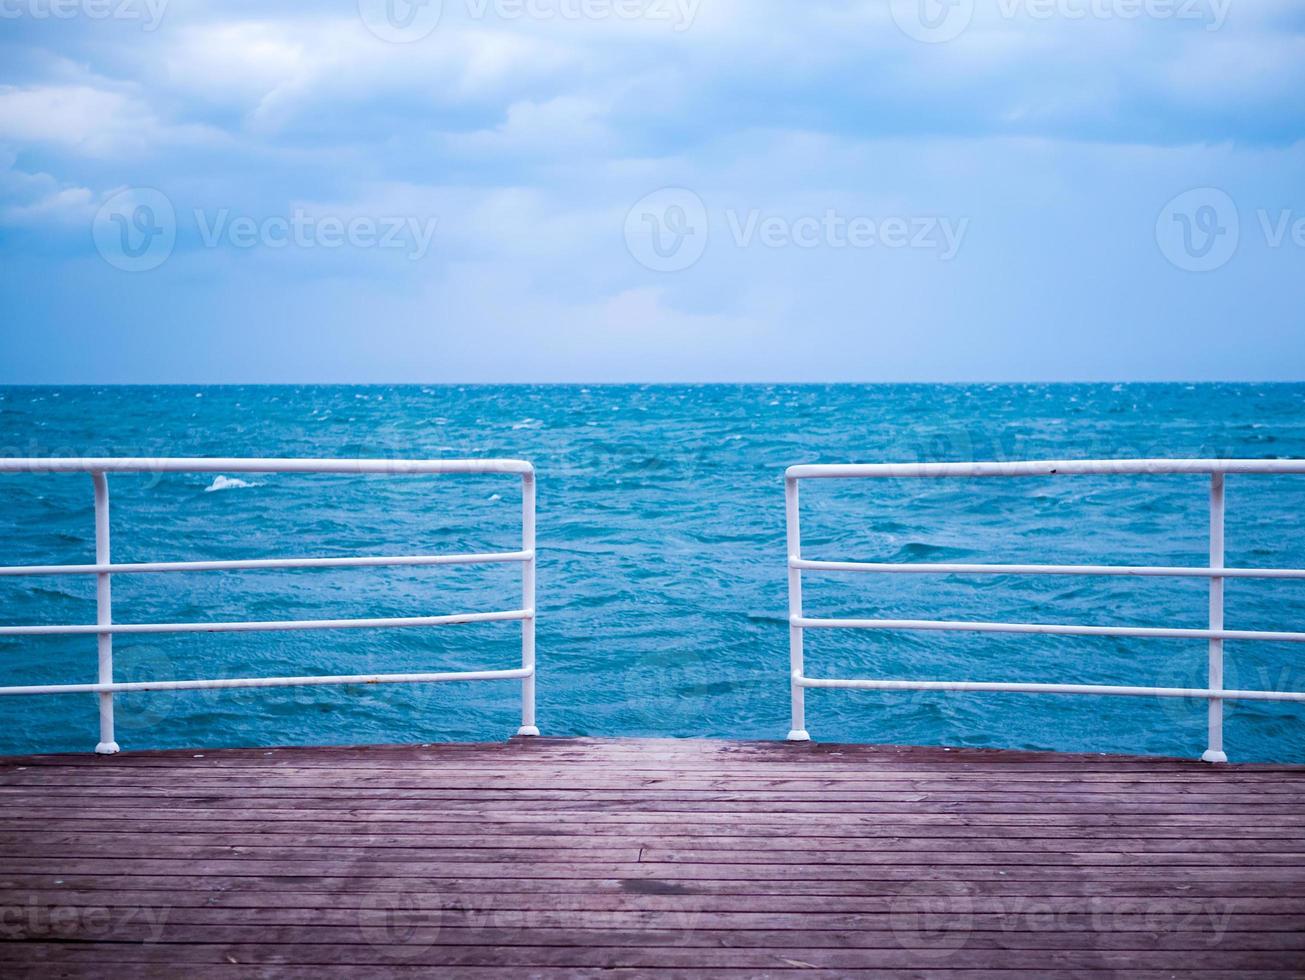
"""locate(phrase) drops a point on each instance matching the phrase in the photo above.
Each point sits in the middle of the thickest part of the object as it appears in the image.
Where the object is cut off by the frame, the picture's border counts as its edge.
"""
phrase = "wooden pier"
(578, 858)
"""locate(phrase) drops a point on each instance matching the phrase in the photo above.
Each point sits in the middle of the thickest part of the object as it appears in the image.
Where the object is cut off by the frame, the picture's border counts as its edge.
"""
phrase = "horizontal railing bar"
(1049, 629)
(1066, 467)
(1020, 688)
(942, 568)
(196, 685)
(256, 465)
(276, 625)
(264, 563)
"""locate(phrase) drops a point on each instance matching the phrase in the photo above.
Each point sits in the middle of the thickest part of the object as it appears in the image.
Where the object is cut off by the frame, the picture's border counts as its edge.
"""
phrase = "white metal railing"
(1215, 635)
(103, 569)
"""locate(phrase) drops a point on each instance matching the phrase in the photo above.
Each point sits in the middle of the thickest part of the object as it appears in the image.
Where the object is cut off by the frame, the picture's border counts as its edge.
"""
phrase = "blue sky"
(655, 190)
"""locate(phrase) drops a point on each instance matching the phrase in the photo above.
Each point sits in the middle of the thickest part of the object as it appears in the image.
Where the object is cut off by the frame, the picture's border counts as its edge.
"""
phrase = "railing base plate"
(1209, 755)
(527, 730)
(106, 748)
(798, 735)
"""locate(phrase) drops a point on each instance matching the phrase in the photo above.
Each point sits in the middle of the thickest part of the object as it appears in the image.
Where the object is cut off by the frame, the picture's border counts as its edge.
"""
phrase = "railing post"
(104, 613)
(798, 726)
(1215, 752)
(528, 726)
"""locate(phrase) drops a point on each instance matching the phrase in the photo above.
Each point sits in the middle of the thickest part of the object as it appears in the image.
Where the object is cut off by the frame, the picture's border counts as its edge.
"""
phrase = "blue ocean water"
(661, 578)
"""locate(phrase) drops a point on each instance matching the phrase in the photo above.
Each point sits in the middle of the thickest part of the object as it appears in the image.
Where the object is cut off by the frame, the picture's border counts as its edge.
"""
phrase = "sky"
(362, 191)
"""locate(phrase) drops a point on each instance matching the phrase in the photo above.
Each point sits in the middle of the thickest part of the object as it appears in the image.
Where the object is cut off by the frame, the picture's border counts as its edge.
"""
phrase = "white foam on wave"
(228, 483)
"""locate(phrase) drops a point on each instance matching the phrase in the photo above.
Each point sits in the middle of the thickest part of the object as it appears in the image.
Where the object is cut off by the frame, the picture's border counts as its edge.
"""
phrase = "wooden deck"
(576, 858)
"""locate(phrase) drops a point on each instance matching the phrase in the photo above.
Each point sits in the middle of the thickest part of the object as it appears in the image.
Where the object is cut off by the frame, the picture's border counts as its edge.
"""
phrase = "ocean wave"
(229, 483)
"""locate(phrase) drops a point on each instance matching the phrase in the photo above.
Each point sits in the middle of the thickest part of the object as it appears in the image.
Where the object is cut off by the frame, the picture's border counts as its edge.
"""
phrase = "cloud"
(311, 76)
(68, 206)
(39, 200)
(76, 117)
(563, 125)
(87, 120)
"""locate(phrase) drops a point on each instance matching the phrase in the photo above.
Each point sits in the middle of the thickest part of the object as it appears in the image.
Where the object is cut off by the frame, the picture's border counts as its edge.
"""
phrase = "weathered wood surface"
(575, 858)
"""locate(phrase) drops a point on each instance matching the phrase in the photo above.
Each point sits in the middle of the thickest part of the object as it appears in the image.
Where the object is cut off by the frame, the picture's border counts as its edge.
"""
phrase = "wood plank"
(946, 823)
(294, 902)
(53, 842)
(386, 971)
(839, 836)
(512, 769)
(967, 867)
(519, 776)
(126, 847)
(691, 931)
(56, 787)
(649, 957)
(1172, 887)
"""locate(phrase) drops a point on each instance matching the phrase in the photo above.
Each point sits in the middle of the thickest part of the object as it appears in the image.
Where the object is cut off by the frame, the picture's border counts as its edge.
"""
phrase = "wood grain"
(579, 857)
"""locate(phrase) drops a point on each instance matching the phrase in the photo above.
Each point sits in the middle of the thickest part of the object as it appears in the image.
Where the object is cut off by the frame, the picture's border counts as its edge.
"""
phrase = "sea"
(661, 579)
